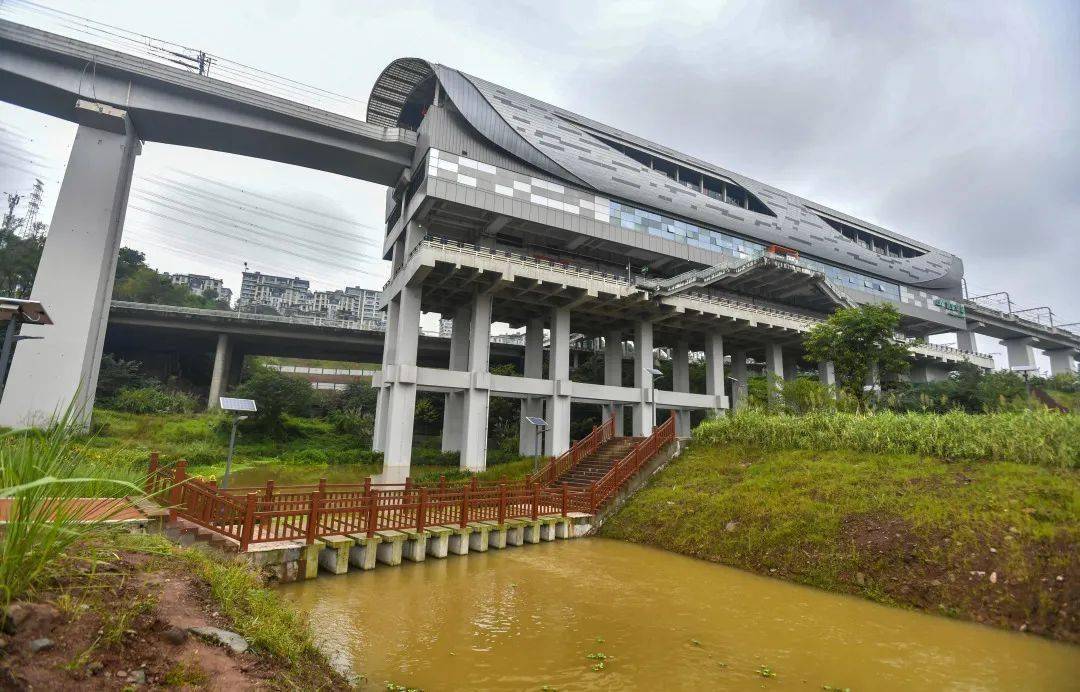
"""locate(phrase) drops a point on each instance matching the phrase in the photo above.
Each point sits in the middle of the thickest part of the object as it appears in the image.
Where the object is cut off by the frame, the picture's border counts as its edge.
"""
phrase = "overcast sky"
(954, 123)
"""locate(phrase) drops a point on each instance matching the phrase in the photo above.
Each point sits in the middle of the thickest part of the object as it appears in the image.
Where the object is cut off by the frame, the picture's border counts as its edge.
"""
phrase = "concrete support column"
(644, 412)
(475, 413)
(399, 377)
(219, 377)
(873, 380)
(534, 368)
(378, 438)
(714, 368)
(965, 340)
(558, 438)
(791, 369)
(455, 401)
(680, 382)
(75, 276)
(613, 371)
(826, 373)
(740, 389)
(774, 371)
(1020, 352)
(1062, 361)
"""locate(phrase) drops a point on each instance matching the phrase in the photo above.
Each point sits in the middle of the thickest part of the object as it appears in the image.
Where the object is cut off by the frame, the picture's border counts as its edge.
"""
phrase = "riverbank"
(119, 614)
(995, 542)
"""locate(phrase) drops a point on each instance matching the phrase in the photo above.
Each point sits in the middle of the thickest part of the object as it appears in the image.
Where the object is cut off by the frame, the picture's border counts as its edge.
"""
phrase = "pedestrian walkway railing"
(306, 513)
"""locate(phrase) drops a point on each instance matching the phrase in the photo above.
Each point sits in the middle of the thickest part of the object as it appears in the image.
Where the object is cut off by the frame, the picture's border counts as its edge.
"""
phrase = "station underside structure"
(499, 208)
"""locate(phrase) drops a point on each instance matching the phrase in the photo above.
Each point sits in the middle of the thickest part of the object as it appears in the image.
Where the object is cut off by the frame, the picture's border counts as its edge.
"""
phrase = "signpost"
(235, 407)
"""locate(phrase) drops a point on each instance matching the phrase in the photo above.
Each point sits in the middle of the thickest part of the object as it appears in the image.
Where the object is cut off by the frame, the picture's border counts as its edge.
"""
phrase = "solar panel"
(241, 405)
(533, 420)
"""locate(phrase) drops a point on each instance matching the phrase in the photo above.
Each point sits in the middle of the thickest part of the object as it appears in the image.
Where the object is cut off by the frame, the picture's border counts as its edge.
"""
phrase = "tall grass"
(1031, 437)
(41, 472)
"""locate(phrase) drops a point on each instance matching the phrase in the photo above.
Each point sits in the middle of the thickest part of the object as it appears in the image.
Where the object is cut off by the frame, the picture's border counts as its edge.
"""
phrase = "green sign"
(951, 306)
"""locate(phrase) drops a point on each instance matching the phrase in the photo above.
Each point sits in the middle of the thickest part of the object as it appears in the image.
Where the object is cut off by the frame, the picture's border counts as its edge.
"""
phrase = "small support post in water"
(535, 501)
(464, 507)
(176, 494)
(565, 499)
(421, 511)
(151, 477)
(249, 522)
(313, 517)
(502, 503)
(372, 507)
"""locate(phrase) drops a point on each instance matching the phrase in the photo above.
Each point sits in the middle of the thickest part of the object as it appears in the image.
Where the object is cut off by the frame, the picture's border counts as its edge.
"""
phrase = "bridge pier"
(1020, 352)
(714, 369)
(774, 370)
(965, 340)
(398, 392)
(219, 377)
(680, 382)
(532, 406)
(613, 373)
(76, 274)
(558, 438)
(452, 431)
(741, 377)
(827, 373)
(474, 431)
(1062, 360)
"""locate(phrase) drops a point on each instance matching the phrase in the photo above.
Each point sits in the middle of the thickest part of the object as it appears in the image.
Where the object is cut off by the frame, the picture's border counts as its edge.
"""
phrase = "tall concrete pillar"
(475, 412)
(826, 373)
(455, 401)
(534, 368)
(645, 412)
(75, 276)
(1062, 361)
(714, 368)
(740, 389)
(965, 340)
(613, 370)
(774, 371)
(680, 382)
(219, 377)
(1020, 352)
(873, 380)
(399, 378)
(378, 439)
(557, 440)
(791, 367)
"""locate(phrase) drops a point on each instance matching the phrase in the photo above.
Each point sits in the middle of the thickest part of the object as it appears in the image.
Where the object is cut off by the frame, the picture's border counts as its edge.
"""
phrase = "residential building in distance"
(279, 292)
(203, 286)
(293, 296)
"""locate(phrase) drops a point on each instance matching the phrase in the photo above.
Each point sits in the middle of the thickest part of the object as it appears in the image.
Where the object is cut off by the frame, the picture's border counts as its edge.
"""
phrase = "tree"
(19, 254)
(275, 394)
(856, 338)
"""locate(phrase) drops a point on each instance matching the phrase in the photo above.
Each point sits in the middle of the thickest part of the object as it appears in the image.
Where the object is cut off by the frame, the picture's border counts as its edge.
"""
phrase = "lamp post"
(654, 373)
(237, 407)
(541, 427)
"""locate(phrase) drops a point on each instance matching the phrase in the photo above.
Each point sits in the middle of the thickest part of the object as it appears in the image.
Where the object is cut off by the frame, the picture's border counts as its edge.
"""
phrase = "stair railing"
(558, 466)
(626, 468)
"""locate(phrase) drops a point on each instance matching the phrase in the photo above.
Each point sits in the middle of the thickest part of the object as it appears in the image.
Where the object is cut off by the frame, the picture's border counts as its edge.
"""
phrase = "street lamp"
(15, 310)
(235, 407)
(655, 372)
(541, 426)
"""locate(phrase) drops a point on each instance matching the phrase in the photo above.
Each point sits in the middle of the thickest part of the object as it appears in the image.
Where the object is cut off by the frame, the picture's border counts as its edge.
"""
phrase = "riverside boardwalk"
(294, 530)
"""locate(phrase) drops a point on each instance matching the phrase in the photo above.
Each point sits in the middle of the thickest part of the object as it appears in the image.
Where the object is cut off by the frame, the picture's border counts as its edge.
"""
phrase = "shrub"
(153, 400)
(314, 457)
(1029, 436)
(275, 394)
(201, 454)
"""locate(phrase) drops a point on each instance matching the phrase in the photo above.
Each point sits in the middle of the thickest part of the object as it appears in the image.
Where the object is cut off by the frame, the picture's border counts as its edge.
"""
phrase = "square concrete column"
(873, 380)
(680, 382)
(774, 371)
(378, 439)
(534, 368)
(75, 276)
(740, 388)
(557, 439)
(826, 373)
(965, 340)
(219, 377)
(791, 367)
(714, 368)
(399, 378)
(1020, 352)
(455, 401)
(1061, 361)
(644, 412)
(475, 413)
(613, 371)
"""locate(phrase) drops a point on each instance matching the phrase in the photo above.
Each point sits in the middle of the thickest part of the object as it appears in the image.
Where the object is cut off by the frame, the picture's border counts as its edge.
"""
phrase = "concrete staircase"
(188, 533)
(593, 467)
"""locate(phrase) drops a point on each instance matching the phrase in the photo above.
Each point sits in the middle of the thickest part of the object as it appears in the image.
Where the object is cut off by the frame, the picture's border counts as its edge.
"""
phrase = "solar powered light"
(541, 426)
(237, 407)
(15, 311)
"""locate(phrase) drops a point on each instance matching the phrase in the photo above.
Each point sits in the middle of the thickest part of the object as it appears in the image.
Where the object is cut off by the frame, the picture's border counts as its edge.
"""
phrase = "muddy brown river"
(547, 615)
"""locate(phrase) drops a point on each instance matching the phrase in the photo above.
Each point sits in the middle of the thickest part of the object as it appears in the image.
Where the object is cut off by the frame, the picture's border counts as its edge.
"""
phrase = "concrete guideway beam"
(76, 274)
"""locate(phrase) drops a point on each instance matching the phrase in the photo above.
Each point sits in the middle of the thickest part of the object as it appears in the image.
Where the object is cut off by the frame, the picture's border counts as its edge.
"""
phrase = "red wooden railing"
(304, 513)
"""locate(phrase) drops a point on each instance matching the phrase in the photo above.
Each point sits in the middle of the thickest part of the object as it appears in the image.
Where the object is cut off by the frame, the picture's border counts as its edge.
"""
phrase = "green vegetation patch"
(997, 542)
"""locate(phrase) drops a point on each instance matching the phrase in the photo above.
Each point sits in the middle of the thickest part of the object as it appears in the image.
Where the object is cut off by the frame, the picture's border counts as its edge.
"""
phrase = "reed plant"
(42, 474)
(1040, 437)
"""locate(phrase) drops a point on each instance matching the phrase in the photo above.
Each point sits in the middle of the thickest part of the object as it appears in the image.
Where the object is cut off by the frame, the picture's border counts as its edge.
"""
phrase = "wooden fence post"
(464, 518)
(565, 499)
(535, 501)
(176, 495)
(442, 483)
(408, 486)
(268, 494)
(592, 496)
(248, 526)
(373, 509)
(421, 511)
(313, 517)
(475, 483)
(151, 476)
(502, 503)
(322, 486)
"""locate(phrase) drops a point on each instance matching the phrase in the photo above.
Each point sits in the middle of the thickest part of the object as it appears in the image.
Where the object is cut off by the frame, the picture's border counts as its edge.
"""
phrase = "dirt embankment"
(127, 623)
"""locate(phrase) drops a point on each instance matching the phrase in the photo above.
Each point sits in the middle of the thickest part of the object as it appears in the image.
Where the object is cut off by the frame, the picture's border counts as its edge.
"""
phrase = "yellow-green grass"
(897, 528)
